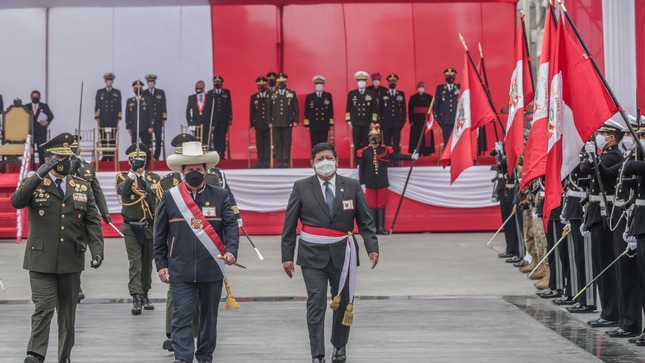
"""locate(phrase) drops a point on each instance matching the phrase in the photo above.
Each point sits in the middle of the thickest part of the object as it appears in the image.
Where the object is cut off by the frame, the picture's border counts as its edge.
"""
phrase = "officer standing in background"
(418, 108)
(319, 112)
(377, 90)
(271, 81)
(222, 114)
(361, 110)
(137, 190)
(107, 109)
(63, 222)
(284, 114)
(259, 117)
(198, 109)
(392, 114)
(42, 117)
(445, 107)
(138, 108)
(157, 101)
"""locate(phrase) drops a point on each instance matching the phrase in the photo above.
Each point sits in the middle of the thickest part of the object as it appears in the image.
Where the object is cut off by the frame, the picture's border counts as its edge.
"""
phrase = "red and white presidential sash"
(326, 236)
(203, 230)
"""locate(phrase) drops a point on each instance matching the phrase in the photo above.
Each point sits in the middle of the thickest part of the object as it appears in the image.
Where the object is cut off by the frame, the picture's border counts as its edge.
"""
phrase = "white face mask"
(642, 141)
(361, 84)
(421, 90)
(601, 142)
(376, 83)
(628, 143)
(319, 87)
(108, 83)
(326, 167)
(151, 85)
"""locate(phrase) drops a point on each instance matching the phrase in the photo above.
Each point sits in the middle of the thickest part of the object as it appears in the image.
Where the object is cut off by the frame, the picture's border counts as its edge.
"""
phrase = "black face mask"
(262, 88)
(450, 79)
(282, 86)
(35, 99)
(194, 178)
(392, 85)
(63, 167)
(199, 90)
(272, 84)
(218, 85)
(375, 141)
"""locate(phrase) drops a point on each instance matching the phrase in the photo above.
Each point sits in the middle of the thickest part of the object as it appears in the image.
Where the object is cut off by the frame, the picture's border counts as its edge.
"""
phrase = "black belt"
(134, 222)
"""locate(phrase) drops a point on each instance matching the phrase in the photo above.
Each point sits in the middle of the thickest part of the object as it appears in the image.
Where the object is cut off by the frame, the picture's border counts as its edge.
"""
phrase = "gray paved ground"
(433, 298)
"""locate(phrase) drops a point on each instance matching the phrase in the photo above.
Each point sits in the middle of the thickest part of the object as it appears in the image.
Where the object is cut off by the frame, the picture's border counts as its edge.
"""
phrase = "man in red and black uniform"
(373, 161)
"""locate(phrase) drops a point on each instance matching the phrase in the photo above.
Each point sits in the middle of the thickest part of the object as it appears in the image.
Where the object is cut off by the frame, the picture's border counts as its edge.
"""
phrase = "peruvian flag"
(579, 104)
(521, 94)
(535, 154)
(473, 108)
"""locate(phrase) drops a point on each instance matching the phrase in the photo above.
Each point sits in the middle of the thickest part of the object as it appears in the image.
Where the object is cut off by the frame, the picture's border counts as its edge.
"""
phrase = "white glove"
(583, 231)
(349, 123)
(535, 215)
(626, 237)
(631, 242)
(415, 155)
(363, 187)
(567, 225)
(590, 148)
(499, 147)
(239, 223)
(564, 221)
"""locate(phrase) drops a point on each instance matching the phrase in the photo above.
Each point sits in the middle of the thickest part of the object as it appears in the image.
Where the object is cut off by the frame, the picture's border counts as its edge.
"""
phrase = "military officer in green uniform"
(137, 190)
(157, 99)
(63, 222)
(259, 118)
(138, 109)
(107, 108)
(283, 116)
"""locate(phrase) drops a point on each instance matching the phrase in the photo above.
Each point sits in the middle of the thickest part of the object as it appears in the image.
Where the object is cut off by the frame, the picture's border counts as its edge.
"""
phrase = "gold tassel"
(348, 319)
(335, 303)
(230, 299)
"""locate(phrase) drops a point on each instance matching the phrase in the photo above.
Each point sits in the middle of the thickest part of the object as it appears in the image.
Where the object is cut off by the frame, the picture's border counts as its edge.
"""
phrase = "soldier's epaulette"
(78, 178)
(359, 153)
(121, 176)
(389, 150)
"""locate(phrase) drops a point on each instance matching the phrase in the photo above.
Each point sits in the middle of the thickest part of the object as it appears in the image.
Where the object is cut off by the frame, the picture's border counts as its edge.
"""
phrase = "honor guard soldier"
(63, 222)
(445, 104)
(157, 101)
(284, 114)
(42, 116)
(392, 111)
(137, 191)
(504, 192)
(418, 107)
(222, 114)
(361, 110)
(271, 82)
(107, 109)
(373, 161)
(198, 109)
(259, 117)
(319, 112)
(377, 90)
(138, 109)
(606, 139)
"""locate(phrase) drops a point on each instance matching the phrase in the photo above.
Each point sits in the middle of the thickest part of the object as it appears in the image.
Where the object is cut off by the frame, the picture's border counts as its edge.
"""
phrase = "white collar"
(332, 182)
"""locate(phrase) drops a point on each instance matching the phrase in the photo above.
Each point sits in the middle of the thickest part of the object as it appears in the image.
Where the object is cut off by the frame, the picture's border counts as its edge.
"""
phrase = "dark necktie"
(60, 189)
(329, 197)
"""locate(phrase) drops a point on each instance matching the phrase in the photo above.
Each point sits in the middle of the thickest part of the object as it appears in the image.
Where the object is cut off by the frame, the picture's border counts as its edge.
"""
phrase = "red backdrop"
(640, 53)
(414, 40)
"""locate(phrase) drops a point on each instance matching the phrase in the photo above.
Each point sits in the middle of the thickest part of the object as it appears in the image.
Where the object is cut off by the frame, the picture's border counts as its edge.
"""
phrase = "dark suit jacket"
(319, 111)
(361, 109)
(196, 118)
(157, 102)
(283, 109)
(307, 205)
(40, 130)
(392, 109)
(107, 107)
(146, 121)
(445, 103)
(223, 111)
(259, 111)
(609, 157)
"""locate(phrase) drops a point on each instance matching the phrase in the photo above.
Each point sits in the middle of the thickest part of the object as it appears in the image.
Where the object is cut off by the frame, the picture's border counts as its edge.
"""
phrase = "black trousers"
(318, 136)
(263, 146)
(447, 130)
(185, 295)
(359, 134)
(317, 282)
(282, 145)
(158, 130)
(640, 261)
(582, 256)
(392, 137)
(510, 230)
(219, 138)
(39, 139)
(558, 260)
(603, 255)
(629, 299)
(417, 129)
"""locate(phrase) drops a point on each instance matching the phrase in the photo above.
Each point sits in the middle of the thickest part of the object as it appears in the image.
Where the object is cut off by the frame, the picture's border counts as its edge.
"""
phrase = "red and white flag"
(521, 94)
(536, 146)
(579, 104)
(473, 108)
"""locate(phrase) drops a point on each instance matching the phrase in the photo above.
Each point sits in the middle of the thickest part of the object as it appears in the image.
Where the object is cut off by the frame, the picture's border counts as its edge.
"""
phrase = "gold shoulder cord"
(145, 207)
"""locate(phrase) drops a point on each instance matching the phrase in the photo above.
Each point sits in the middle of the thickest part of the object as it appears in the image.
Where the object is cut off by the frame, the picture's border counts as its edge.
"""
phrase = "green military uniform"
(60, 230)
(283, 115)
(138, 200)
(86, 172)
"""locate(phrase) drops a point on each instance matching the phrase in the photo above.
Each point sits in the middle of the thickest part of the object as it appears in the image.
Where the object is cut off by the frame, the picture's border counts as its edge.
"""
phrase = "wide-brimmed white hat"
(192, 153)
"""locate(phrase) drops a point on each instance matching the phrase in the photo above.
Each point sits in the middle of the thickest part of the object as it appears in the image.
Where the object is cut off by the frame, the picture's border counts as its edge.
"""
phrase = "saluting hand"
(288, 268)
(164, 276)
(373, 259)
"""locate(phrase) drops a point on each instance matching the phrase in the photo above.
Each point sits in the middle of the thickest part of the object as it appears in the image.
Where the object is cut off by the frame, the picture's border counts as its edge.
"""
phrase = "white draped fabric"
(267, 190)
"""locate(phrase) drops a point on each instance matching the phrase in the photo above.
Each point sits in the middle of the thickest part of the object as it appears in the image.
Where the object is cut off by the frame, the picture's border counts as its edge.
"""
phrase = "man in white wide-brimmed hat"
(196, 226)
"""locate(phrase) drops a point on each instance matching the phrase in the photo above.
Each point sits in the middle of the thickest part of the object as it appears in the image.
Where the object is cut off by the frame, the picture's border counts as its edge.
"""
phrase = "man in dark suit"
(198, 110)
(445, 103)
(361, 110)
(393, 114)
(157, 101)
(222, 114)
(327, 205)
(259, 117)
(42, 117)
(139, 106)
(319, 112)
(107, 108)
(283, 116)
(418, 108)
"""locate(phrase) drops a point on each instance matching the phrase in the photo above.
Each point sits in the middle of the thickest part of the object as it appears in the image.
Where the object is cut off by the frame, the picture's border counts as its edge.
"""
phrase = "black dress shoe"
(167, 345)
(66, 361)
(81, 296)
(147, 305)
(565, 300)
(621, 333)
(602, 323)
(505, 255)
(34, 358)
(521, 263)
(640, 342)
(581, 309)
(635, 339)
(549, 294)
(338, 355)
(513, 259)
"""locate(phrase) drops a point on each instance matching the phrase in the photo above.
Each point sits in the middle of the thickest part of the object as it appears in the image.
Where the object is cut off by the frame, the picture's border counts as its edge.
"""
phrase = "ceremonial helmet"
(375, 131)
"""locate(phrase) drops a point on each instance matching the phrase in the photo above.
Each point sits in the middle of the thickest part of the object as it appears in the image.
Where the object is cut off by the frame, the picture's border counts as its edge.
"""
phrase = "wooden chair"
(16, 129)
(195, 130)
(252, 148)
(107, 144)
(87, 143)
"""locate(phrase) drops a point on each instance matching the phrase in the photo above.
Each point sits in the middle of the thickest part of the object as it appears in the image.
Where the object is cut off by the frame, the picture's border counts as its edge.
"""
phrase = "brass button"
(62, 205)
(62, 216)
(62, 239)
(62, 228)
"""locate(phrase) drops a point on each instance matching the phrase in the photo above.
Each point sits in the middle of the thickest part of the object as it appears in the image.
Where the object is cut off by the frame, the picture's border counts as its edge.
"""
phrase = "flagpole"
(490, 99)
(481, 56)
(407, 180)
(602, 76)
(526, 48)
